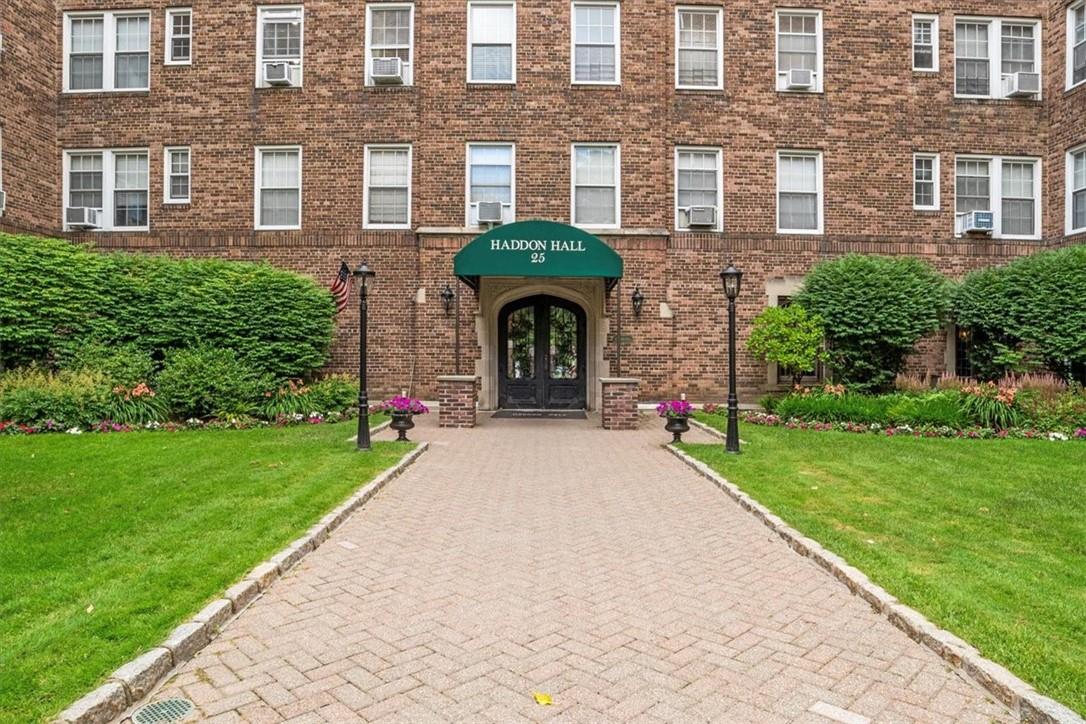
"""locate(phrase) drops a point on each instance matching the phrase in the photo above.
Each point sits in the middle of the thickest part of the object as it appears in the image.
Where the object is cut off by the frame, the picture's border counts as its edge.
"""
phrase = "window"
(279, 187)
(988, 52)
(490, 178)
(492, 42)
(113, 182)
(387, 199)
(3, 198)
(107, 52)
(699, 51)
(596, 190)
(926, 43)
(698, 182)
(280, 38)
(1007, 187)
(799, 192)
(1076, 44)
(1076, 191)
(178, 175)
(595, 43)
(179, 36)
(390, 33)
(787, 375)
(926, 181)
(799, 48)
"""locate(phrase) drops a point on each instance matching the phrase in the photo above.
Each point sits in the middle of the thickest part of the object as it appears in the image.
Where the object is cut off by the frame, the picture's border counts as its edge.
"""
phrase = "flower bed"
(973, 433)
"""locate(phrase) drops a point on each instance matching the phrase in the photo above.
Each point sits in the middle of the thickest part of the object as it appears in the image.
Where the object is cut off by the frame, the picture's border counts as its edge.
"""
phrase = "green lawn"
(109, 541)
(986, 538)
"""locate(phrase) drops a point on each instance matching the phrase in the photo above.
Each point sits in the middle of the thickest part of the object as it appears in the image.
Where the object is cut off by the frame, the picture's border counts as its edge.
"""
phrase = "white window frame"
(819, 190)
(170, 14)
(995, 54)
(573, 185)
(513, 51)
(261, 10)
(409, 66)
(781, 83)
(573, 41)
(995, 191)
(719, 152)
(934, 20)
(366, 184)
(719, 12)
(257, 172)
(508, 216)
(167, 175)
(1069, 193)
(109, 172)
(934, 158)
(4, 204)
(109, 49)
(1069, 82)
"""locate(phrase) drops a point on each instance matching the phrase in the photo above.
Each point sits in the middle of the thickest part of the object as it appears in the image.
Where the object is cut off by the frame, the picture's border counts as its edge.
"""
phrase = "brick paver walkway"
(550, 556)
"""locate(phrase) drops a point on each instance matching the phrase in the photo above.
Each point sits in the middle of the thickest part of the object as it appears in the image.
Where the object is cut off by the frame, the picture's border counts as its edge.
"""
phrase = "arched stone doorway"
(542, 354)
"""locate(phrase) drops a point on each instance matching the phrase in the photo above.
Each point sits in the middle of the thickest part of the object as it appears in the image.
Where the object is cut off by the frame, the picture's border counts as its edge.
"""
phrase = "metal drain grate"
(166, 711)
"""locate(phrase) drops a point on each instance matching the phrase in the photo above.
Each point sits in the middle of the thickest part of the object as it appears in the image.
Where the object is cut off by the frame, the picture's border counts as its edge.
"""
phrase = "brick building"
(682, 136)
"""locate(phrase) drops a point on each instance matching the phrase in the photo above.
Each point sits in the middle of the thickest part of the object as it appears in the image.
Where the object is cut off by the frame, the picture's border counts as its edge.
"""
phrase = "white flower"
(314, 414)
(75, 431)
(1057, 436)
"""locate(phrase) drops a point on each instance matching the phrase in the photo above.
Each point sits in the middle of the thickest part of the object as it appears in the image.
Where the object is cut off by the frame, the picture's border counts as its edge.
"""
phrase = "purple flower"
(675, 408)
(403, 404)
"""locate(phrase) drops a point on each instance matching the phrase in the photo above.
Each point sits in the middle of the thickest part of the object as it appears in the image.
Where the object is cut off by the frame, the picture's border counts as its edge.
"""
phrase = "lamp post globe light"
(732, 279)
(364, 275)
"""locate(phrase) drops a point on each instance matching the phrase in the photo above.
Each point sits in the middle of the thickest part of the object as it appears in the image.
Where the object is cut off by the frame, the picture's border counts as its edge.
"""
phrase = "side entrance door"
(541, 355)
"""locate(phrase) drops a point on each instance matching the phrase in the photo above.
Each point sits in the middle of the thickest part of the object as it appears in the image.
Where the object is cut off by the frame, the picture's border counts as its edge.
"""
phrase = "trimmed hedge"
(1035, 306)
(60, 298)
(875, 309)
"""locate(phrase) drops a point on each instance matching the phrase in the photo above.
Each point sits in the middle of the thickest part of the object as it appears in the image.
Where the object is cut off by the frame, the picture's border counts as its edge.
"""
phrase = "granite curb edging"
(1022, 699)
(135, 680)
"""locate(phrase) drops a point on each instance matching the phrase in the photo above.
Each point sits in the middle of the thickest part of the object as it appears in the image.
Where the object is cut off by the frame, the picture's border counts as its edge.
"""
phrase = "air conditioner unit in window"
(81, 217)
(1021, 85)
(282, 73)
(490, 212)
(800, 79)
(701, 216)
(976, 222)
(387, 71)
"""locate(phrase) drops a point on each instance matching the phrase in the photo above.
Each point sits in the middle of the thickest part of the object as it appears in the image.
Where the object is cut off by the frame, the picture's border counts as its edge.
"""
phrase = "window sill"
(1001, 101)
(590, 85)
(105, 93)
(1077, 86)
(176, 204)
(492, 84)
(927, 210)
(688, 89)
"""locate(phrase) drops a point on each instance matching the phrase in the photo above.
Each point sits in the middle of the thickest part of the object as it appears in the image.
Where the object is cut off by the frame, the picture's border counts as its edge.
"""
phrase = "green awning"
(537, 249)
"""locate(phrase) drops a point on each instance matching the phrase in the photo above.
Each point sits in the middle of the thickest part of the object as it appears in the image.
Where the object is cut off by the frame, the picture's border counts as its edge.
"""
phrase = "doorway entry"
(541, 354)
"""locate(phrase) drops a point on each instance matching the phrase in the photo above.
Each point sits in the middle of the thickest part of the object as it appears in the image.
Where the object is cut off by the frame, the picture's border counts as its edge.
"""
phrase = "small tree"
(789, 336)
(875, 309)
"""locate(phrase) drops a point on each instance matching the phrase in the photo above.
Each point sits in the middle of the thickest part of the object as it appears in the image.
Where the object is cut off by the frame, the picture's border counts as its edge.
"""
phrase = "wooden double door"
(541, 355)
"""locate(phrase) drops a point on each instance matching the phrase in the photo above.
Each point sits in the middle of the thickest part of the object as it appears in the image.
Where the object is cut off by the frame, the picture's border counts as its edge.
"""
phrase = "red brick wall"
(874, 114)
(28, 104)
(619, 408)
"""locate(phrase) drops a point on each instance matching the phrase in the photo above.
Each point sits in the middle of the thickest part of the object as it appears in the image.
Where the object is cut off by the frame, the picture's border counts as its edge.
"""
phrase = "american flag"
(341, 287)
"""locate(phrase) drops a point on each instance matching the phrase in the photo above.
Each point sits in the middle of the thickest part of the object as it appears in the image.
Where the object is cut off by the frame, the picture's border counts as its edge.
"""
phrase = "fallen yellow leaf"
(543, 699)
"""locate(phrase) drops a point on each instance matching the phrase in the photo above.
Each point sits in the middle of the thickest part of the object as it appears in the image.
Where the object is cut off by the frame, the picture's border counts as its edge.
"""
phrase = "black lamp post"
(732, 278)
(638, 300)
(364, 274)
(448, 296)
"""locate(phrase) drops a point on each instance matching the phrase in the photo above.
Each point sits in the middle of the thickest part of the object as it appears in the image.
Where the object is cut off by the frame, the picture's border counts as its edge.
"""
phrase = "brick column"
(620, 398)
(457, 397)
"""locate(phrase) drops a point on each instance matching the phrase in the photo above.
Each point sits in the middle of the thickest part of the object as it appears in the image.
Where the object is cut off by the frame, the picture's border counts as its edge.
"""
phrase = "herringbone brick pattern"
(550, 556)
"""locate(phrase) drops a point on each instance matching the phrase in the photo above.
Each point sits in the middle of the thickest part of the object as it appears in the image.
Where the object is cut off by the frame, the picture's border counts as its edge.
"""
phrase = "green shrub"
(1033, 306)
(65, 399)
(819, 407)
(210, 382)
(1064, 411)
(790, 337)
(769, 402)
(937, 409)
(875, 309)
(125, 364)
(58, 298)
(335, 393)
